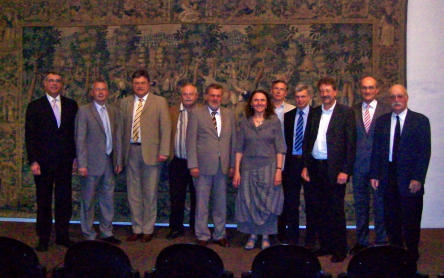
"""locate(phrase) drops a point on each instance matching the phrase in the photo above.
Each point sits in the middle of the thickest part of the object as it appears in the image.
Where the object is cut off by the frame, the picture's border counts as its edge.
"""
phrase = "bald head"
(369, 88)
(188, 95)
(398, 98)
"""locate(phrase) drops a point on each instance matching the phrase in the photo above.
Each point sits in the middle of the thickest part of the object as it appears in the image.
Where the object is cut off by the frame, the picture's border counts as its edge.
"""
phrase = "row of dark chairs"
(100, 259)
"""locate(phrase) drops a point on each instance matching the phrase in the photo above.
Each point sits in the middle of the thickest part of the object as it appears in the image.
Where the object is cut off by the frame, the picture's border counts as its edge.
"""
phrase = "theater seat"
(94, 259)
(380, 261)
(188, 260)
(285, 261)
(19, 260)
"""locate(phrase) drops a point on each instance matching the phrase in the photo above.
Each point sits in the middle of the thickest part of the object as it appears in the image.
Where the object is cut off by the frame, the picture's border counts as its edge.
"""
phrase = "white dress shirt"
(218, 119)
(371, 108)
(402, 116)
(136, 103)
(320, 145)
(58, 109)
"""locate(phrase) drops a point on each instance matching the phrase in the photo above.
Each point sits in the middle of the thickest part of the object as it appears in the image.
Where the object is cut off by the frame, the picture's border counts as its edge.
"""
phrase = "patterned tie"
(105, 122)
(396, 139)
(213, 118)
(56, 110)
(367, 120)
(136, 121)
(298, 135)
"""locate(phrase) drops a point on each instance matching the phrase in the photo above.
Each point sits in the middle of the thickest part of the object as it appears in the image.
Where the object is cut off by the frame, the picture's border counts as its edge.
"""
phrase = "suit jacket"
(204, 147)
(341, 140)
(91, 138)
(413, 153)
(46, 143)
(288, 107)
(155, 128)
(174, 114)
(289, 122)
(364, 140)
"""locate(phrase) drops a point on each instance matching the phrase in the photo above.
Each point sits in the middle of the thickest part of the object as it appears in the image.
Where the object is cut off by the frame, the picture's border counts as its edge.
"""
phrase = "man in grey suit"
(366, 114)
(146, 132)
(96, 142)
(210, 151)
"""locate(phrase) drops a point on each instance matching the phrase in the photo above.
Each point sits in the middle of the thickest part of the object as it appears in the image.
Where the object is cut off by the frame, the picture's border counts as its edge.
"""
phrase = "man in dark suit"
(210, 157)
(295, 122)
(328, 156)
(366, 114)
(179, 175)
(98, 151)
(400, 158)
(49, 137)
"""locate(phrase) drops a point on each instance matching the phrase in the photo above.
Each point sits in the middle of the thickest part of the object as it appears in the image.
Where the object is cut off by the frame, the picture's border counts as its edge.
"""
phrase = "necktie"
(299, 134)
(107, 129)
(396, 139)
(213, 118)
(136, 121)
(56, 110)
(367, 120)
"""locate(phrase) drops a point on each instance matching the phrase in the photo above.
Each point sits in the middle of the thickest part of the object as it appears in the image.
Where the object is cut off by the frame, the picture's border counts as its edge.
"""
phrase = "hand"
(278, 177)
(305, 174)
(374, 183)
(118, 169)
(414, 186)
(236, 179)
(342, 178)
(162, 158)
(231, 172)
(74, 166)
(35, 169)
(194, 172)
(83, 172)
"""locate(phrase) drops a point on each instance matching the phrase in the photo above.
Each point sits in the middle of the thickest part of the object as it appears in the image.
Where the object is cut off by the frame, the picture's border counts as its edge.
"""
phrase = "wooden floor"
(236, 259)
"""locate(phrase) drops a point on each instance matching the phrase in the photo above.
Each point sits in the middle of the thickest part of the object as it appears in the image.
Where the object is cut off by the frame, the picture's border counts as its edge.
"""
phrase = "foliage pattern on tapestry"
(243, 45)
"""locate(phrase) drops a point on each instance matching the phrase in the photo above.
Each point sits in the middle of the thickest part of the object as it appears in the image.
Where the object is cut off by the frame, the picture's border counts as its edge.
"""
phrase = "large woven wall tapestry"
(243, 45)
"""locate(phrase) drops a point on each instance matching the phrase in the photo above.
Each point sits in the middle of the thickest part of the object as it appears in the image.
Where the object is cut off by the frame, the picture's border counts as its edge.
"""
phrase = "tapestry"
(243, 45)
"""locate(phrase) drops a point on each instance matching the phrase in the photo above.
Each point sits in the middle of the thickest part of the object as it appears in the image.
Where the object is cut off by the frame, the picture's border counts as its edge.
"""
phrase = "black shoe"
(42, 247)
(358, 247)
(66, 242)
(422, 275)
(111, 240)
(321, 252)
(337, 258)
(174, 234)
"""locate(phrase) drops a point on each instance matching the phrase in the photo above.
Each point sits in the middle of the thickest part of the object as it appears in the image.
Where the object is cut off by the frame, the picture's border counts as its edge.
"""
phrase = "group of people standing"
(271, 154)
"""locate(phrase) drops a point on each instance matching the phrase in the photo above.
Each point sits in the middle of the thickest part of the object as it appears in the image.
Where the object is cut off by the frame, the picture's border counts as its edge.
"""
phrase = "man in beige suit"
(210, 153)
(179, 175)
(146, 132)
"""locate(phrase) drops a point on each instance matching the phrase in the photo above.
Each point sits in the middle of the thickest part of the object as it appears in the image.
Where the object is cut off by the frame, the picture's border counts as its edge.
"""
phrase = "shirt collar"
(136, 98)
(372, 104)
(329, 110)
(50, 98)
(181, 107)
(98, 106)
(211, 110)
(401, 115)
(305, 110)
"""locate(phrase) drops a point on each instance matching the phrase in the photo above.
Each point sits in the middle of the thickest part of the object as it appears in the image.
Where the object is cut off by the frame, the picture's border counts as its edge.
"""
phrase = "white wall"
(425, 84)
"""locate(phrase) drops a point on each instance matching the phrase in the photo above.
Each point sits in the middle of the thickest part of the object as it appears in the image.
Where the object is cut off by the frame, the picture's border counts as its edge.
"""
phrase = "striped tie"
(213, 118)
(367, 120)
(136, 121)
(298, 135)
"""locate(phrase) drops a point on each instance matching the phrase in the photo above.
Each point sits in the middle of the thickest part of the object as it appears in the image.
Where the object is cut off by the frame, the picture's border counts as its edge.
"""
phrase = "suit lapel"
(96, 116)
(406, 128)
(148, 102)
(361, 120)
(111, 117)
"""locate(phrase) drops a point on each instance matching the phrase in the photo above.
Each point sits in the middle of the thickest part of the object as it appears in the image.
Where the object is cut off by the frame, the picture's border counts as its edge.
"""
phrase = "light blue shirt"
(106, 125)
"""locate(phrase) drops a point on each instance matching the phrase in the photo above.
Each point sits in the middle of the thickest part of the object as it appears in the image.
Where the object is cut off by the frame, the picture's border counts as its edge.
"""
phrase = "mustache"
(395, 104)
(326, 97)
